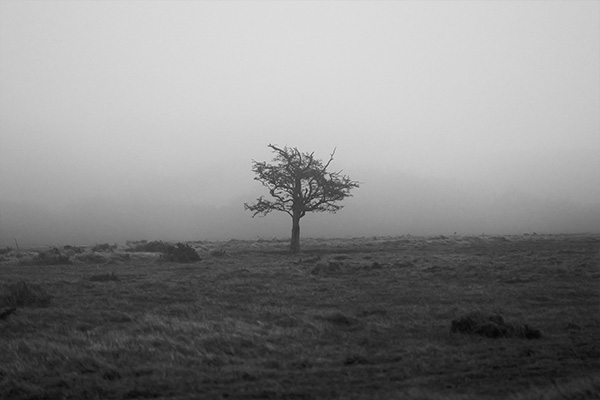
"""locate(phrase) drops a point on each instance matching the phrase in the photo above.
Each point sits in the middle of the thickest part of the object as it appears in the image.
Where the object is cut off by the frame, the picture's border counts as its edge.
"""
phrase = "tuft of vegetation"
(108, 277)
(492, 326)
(326, 267)
(23, 294)
(105, 247)
(48, 257)
(5, 250)
(155, 246)
(218, 253)
(74, 249)
(93, 258)
(119, 257)
(338, 319)
(181, 253)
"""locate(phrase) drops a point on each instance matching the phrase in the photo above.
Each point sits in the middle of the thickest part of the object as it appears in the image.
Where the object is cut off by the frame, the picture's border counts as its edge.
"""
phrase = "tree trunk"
(295, 243)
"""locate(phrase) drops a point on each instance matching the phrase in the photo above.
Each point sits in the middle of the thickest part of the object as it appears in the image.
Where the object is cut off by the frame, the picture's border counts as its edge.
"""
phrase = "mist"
(128, 121)
(387, 204)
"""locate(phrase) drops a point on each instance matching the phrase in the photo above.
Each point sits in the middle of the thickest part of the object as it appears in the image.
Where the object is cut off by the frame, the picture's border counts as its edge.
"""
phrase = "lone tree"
(299, 183)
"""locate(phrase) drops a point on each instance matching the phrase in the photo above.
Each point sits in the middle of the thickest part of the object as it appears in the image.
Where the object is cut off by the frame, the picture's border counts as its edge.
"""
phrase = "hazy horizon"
(140, 120)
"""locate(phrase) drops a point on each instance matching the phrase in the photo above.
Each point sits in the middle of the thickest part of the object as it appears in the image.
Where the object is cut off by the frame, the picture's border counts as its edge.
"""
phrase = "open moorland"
(407, 317)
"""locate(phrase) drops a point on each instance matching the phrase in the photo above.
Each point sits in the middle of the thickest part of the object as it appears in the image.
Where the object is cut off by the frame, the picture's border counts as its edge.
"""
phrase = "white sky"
(170, 101)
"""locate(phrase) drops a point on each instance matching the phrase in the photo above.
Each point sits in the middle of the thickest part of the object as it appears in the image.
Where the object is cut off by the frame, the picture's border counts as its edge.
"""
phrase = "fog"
(140, 120)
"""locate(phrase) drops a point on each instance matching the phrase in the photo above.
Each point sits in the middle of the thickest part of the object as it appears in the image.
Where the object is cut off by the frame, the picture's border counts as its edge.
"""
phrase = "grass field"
(363, 318)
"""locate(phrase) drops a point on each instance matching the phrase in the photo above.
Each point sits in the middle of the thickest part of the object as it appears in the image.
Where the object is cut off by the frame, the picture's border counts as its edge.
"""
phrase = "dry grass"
(23, 294)
(361, 318)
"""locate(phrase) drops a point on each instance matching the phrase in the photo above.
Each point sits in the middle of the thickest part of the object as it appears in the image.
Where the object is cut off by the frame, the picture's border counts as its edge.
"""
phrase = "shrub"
(119, 257)
(156, 246)
(49, 257)
(93, 258)
(73, 249)
(21, 294)
(5, 250)
(218, 253)
(326, 267)
(181, 253)
(105, 247)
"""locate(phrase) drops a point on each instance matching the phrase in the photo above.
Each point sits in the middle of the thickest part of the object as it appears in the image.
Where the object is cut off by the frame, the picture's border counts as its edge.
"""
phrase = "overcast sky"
(485, 110)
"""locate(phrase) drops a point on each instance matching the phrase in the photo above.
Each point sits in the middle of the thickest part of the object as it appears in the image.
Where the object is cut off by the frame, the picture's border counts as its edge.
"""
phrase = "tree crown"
(299, 183)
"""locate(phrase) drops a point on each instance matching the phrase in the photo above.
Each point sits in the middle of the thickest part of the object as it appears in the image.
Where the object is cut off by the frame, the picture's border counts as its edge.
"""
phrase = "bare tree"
(299, 183)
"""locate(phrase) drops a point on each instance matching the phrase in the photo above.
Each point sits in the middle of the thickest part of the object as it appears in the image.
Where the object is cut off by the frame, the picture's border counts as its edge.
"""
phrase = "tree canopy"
(299, 183)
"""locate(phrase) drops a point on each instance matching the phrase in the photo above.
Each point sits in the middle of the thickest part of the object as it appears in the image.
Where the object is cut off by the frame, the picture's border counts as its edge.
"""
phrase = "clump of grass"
(104, 277)
(326, 267)
(181, 253)
(22, 294)
(492, 326)
(339, 319)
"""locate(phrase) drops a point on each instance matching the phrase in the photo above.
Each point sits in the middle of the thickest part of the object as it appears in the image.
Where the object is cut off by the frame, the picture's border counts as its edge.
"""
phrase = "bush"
(49, 257)
(106, 247)
(218, 253)
(151, 247)
(73, 249)
(119, 257)
(5, 250)
(181, 253)
(93, 258)
(21, 294)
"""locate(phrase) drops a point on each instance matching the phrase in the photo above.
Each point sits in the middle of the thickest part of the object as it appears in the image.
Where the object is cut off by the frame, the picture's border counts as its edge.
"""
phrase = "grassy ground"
(356, 318)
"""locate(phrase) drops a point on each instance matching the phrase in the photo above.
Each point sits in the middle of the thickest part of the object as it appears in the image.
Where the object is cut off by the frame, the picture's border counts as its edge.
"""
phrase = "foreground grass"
(347, 319)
